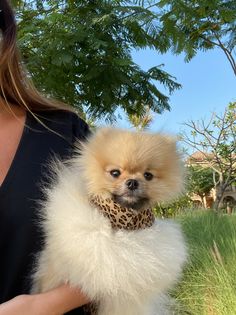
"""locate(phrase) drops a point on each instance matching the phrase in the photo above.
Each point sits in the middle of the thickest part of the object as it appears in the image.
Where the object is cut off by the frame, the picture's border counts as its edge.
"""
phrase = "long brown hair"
(15, 86)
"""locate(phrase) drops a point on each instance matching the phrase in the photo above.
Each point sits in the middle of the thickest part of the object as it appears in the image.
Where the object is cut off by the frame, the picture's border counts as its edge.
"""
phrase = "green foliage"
(199, 25)
(173, 208)
(208, 285)
(80, 52)
(141, 122)
(215, 140)
(228, 144)
(200, 180)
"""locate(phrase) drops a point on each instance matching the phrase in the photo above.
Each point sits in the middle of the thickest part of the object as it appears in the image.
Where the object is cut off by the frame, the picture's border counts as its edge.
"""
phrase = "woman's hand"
(25, 305)
(55, 302)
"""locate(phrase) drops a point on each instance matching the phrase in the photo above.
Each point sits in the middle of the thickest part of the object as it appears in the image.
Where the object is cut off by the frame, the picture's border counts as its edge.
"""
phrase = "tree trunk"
(217, 202)
(229, 208)
(220, 189)
(203, 202)
(219, 195)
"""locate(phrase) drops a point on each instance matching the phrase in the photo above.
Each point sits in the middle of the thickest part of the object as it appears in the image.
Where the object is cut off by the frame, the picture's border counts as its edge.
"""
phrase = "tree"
(200, 181)
(216, 141)
(190, 26)
(141, 122)
(80, 52)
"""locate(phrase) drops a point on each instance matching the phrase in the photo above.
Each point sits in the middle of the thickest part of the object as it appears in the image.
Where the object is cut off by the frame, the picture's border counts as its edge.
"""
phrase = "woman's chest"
(11, 131)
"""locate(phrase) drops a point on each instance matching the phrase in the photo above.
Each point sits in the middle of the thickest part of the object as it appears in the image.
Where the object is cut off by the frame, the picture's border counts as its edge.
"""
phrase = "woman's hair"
(15, 86)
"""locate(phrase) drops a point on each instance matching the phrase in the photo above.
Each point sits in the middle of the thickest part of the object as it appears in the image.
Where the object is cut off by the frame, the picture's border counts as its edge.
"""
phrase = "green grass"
(208, 286)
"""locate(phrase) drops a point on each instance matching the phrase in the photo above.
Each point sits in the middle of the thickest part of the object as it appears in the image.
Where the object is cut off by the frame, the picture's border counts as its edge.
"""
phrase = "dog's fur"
(127, 272)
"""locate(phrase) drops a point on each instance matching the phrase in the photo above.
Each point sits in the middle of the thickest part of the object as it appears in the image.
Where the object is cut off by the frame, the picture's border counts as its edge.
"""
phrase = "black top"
(20, 236)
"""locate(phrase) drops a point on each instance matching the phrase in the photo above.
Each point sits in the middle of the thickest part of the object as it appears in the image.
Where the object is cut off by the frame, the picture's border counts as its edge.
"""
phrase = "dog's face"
(131, 187)
(136, 169)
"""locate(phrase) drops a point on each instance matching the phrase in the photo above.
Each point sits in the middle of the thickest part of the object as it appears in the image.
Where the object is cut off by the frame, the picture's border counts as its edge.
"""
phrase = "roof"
(200, 157)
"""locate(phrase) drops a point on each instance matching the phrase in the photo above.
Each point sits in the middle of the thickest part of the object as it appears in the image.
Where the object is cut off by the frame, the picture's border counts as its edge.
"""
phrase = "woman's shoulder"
(63, 122)
(59, 116)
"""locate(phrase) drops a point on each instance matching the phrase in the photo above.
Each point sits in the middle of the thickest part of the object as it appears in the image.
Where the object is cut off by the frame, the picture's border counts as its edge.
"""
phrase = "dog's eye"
(148, 176)
(115, 173)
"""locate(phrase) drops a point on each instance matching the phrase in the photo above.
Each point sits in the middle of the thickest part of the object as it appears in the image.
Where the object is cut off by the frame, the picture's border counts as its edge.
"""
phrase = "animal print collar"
(121, 217)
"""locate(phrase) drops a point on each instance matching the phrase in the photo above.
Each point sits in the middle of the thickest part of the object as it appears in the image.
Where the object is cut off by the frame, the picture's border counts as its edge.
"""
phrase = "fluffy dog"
(101, 235)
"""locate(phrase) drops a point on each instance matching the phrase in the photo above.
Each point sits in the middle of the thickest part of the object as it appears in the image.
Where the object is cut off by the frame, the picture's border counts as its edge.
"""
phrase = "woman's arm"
(55, 302)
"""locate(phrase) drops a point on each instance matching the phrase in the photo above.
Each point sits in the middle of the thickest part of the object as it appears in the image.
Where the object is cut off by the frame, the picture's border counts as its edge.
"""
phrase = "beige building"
(229, 196)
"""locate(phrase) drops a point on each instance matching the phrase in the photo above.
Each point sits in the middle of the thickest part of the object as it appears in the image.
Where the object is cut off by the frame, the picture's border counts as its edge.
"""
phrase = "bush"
(173, 208)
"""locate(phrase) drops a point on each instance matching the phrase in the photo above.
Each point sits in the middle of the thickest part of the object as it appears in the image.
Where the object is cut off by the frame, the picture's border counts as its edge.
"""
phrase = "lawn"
(208, 286)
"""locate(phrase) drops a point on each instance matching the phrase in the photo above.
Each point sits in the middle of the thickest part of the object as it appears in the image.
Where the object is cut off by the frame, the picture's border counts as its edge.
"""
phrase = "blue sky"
(208, 84)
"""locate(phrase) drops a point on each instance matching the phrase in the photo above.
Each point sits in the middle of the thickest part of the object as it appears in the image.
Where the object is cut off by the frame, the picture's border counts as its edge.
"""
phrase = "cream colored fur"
(128, 272)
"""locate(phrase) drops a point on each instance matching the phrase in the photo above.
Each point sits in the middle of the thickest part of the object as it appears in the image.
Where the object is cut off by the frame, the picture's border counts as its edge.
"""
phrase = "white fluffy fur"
(128, 272)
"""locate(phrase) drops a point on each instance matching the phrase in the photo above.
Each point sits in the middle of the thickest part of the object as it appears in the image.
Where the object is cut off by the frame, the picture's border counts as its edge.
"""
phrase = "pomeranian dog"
(101, 234)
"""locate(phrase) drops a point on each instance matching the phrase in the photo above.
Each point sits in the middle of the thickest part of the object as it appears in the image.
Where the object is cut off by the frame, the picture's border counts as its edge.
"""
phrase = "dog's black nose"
(132, 184)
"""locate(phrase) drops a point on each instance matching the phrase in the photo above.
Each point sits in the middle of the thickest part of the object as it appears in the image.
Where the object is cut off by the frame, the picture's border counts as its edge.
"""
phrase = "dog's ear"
(164, 141)
(94, 136)
(103, 132)
(171, 139)
(171, 142)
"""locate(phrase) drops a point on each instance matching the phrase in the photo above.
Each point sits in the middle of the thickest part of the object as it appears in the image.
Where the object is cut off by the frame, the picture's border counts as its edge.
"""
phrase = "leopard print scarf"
(120, 218)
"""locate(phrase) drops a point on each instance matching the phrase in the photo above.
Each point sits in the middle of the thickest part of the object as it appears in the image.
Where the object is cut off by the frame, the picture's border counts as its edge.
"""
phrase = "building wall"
(207, 202)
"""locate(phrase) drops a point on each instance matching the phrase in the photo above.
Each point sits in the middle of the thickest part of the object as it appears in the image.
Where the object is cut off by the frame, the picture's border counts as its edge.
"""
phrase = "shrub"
(173, 208)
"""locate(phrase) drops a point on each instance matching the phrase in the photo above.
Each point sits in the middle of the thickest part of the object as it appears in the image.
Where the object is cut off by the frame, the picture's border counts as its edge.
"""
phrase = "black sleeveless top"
(20, 236)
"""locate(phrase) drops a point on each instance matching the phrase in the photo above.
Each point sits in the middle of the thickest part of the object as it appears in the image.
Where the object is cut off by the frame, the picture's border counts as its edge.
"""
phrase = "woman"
(32, 129)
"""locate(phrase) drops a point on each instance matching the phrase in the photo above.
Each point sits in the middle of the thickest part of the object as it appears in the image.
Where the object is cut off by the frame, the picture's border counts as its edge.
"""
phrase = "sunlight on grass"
(208, 286)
